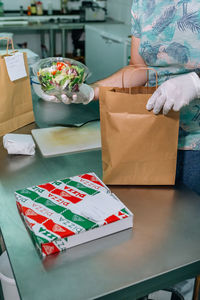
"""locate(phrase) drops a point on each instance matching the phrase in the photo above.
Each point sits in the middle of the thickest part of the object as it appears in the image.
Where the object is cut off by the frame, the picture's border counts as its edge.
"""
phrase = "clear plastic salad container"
(58, 75)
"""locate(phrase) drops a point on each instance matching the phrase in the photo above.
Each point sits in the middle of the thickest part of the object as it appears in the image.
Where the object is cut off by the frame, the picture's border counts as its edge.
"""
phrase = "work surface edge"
(163, 248)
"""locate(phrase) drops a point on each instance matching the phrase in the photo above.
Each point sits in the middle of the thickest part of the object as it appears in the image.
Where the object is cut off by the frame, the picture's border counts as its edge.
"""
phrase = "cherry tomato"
(60, 66)
(54, 72)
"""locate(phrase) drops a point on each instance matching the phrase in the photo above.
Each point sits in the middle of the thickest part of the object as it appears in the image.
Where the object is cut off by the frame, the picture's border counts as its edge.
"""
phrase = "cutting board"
(60, 140)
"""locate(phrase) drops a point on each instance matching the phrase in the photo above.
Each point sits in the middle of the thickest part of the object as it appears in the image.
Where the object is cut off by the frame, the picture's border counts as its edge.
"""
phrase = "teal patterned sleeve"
(135, 19)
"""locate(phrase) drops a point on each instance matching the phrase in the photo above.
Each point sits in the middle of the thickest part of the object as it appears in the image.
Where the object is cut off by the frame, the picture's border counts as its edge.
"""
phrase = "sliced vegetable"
(54, 72)
(60, 66)
(61, 76)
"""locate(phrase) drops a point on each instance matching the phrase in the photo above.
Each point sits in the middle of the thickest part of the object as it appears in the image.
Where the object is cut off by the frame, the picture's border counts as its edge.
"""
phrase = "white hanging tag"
(15, 66)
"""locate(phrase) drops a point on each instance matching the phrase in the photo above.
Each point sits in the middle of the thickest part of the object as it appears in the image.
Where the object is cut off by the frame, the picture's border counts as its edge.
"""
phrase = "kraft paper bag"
(138, 147)
(15, 98)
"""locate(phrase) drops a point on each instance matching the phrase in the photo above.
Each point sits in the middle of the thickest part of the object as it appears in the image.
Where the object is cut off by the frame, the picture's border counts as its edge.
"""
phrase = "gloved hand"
(41, 94)
(85, 94)
(175, 93)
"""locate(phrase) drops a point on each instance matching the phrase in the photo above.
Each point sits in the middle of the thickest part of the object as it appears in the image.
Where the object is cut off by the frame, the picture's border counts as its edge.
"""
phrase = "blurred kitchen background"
(96, 32)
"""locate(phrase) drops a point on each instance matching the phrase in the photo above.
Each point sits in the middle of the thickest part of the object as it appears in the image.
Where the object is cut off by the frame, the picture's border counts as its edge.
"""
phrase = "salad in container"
(63, 76)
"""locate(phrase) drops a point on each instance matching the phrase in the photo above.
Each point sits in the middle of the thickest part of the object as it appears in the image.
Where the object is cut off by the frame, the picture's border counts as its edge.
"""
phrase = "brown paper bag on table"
(138, 147)
(15, 97)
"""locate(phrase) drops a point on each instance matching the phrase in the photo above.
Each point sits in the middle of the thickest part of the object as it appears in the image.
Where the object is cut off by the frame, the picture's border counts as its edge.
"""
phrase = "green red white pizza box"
(59, 214)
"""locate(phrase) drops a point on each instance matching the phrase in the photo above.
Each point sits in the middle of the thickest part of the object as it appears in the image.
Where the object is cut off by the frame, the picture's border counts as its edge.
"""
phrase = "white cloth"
(175, 93)
(19, 144)
(98, 207)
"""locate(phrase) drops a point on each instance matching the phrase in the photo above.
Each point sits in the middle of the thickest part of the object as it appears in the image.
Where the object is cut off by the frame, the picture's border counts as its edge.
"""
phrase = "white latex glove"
(41, 94)
(85, 94)
(175, 93)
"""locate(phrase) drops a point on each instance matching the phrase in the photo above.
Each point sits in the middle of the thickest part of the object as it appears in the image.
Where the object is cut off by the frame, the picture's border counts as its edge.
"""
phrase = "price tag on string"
(15, 66)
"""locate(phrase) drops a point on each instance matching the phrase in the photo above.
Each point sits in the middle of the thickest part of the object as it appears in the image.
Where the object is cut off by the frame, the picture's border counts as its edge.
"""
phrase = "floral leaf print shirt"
(169, 32)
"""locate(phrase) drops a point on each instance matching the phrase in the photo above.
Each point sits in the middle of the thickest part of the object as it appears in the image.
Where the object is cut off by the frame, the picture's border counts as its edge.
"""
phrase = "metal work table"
(163, 248)
(51, 29)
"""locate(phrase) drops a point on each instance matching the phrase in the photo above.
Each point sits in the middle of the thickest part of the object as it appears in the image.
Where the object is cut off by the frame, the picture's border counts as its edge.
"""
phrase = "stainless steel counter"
(50, 28)
(162, 249)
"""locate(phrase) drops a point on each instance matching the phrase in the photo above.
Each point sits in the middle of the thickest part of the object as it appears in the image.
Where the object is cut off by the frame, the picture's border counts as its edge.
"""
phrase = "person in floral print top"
(166, 37)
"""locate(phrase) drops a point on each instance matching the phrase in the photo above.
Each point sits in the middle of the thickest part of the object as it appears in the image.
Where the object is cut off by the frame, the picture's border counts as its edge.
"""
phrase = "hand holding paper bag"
(138, 148)
(175, 93)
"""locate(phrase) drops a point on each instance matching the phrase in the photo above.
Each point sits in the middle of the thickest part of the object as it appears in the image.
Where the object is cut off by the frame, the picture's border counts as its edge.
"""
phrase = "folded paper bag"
(19, 144)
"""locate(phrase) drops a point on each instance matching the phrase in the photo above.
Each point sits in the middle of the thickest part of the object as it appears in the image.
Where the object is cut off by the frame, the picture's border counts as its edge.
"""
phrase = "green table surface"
(162, 249)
